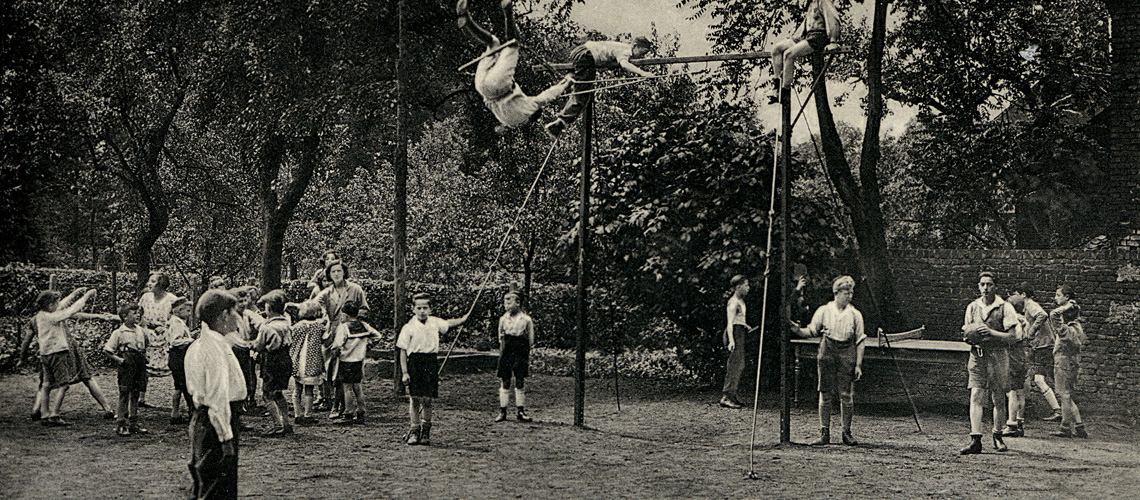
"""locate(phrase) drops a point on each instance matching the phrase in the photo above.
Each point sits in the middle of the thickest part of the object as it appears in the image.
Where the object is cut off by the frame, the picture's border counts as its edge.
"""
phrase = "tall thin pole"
(400, 215)
(785, 309)
(583, 247)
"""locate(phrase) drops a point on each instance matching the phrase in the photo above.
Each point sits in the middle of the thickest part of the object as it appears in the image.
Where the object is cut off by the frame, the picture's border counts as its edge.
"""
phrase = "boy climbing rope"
(495, 74)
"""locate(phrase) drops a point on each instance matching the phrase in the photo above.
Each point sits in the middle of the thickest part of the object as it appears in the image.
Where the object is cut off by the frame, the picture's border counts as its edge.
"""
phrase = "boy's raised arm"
(451, 323)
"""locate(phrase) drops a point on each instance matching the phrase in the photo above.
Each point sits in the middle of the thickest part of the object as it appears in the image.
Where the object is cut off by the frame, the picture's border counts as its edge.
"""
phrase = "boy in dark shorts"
(273, 340)
(840, 357)
(819, 28)
(127, 348)
(419, 344)
(516, 336)
(179, 337)
(351, 345)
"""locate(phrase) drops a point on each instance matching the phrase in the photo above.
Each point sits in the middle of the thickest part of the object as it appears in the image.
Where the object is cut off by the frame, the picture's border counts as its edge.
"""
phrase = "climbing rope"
(499, 252)
(763, 319)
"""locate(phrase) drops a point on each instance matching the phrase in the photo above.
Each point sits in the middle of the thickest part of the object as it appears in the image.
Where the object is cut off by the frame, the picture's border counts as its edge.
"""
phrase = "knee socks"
(520, 398)
(504, 397)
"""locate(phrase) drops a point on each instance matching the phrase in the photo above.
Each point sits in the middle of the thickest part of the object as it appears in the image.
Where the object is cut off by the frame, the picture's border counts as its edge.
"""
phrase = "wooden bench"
(905, 347)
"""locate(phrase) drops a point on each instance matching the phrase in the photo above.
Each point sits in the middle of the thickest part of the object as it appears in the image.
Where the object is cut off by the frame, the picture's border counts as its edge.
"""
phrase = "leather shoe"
(728, 403)
(975, 447)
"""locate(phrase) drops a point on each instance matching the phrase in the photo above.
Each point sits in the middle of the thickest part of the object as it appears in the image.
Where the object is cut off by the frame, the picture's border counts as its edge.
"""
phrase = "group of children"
(317, 343)
(322, 339)
(1015, 345)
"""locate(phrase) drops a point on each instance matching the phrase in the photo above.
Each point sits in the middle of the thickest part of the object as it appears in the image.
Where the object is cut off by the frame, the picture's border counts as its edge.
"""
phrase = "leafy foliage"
(682, 203)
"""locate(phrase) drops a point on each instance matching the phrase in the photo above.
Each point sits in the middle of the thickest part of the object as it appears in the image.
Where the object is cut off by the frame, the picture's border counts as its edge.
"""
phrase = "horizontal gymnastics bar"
(690, 59)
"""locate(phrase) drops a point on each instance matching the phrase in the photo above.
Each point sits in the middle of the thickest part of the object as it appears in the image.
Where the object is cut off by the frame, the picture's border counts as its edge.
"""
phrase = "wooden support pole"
(785, 148)
(400, 215)
(583, 267)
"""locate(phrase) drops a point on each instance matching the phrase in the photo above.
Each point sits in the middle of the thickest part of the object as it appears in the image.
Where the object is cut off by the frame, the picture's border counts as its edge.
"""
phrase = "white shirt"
(978, 311)
(353, 347)
(838, 325)
(126, 337)
(214, 379)
(608, 52)
(177, 333)
(514, 325)
(417, 337)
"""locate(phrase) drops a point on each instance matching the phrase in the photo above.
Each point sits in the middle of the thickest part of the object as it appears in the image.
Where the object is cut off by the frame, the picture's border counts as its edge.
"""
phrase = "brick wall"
(934, 287)
(1124, 124)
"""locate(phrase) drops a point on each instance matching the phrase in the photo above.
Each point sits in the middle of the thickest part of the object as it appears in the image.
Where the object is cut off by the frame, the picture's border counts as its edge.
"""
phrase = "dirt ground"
(666, 442)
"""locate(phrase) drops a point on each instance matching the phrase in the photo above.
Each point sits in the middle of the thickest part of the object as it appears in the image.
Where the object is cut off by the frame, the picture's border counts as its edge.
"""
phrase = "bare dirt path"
(666, 442)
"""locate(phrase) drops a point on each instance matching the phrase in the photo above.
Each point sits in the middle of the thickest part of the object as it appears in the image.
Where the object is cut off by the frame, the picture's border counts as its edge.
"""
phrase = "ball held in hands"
(975, 333)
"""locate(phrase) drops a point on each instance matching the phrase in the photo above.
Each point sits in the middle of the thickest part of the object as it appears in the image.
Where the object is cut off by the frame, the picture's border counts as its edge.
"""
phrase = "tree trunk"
(277, 209)
(157, 220)
(863, 198)
(144, 177)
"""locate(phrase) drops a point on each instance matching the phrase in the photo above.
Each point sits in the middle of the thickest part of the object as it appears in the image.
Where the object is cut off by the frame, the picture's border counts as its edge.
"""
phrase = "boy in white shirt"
(516, 336)
(127, 349)
(495, 74)
(419, 344)
(735, 333)
(215, 381)
(351, 344)
(586, 58)
(179, 337)
(839, 360)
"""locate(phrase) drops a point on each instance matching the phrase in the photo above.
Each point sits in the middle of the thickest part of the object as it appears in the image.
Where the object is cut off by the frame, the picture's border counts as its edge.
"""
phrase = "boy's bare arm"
(404, 366)
(66, 301)
(110, 348)
(632, 68)
(76, 306)
(99, 316)
(553, 92)
(451, 323)
(24, 343)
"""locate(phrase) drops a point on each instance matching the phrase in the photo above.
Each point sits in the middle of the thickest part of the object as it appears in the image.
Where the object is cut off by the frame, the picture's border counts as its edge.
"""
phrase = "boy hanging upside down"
(495, 74)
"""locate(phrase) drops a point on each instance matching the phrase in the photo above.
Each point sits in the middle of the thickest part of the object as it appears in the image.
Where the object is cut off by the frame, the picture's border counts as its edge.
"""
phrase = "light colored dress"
(156, 314)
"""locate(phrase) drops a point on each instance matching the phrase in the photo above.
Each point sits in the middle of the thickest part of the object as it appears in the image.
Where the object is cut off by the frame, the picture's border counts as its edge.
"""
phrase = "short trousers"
(423, 369)
(64, 368)
(276, 370)
(1018, 362)
(1066, 370)
(989, 369)
(1042, 360)
(835, 365)
(817, 40)
(178, 366)
(132, 372)
(350, 372)
(515, 357)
